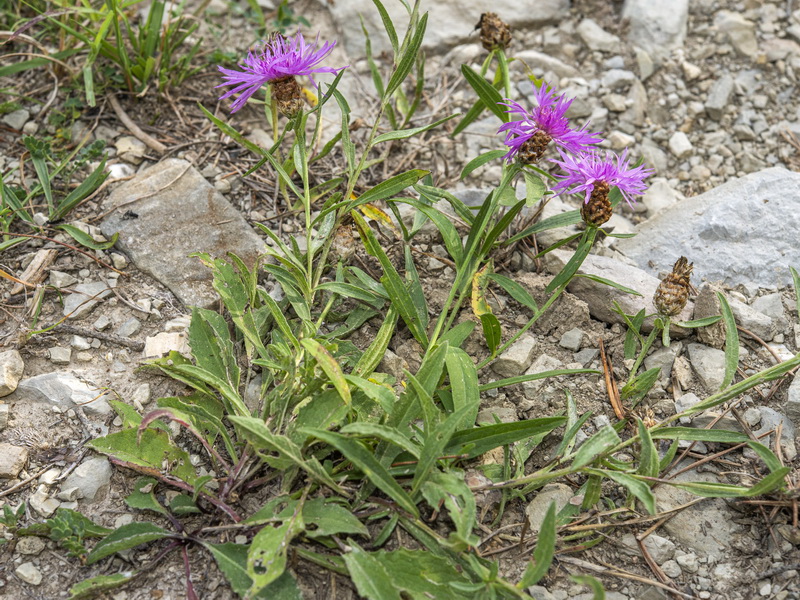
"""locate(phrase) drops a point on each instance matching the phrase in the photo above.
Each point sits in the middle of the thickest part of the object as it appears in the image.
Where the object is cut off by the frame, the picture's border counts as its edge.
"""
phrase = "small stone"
(17, 119)
(3, 416)
(80, 343)
(586, 356)
(130, 149)
(572, 339)
(559, 493)
(660, 548)
(502, 413)
(92, 477)
(615, 79)
(129, 327)
(102, 322)
(42, 503)
(70, 494)
(60, 355)
(686, 402)
(11, 369)
(719, 97)
(84, 298)
(141, 395)
(597, 38)
(671, 569)
(688, 562)
(162, 343)
(680, 145)
(178, 323)
(49, 477)
(708, 364)
(61, 280)
(124, 519)
(84, 356)
(691, 71)
(29, 573)
(752, 416)
(740, 32)
(12, 459)
(516, 358)
(543, 363)
(119, 261)
(29, 544)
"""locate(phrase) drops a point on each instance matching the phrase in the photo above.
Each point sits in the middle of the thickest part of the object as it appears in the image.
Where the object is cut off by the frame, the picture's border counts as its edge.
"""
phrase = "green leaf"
(329, 365)
(382, 432)
(479, 440)
(86, 187)
(266, 558)
(609, 283)
(796, 285)
(640, 489)
(261, 437)
(464, 385)
(407, 133)
(698, 322)
(481, 160)
(544, 551)
(373, 355)
(84, 239)
(535, 188)
(637, 388)
(571, 217)
(407, 60)
(707, 489)
(145, 500)
(491, 331)
(486, 92)
(700, 435)
(435, 443)
(183, 505)
(153, 449)
(324, 517)
(575, 261)
(125, 537)
(392, 282)
(731, 341)
(450, 489)
(648, 457)
(388, 26)
(450, 236)
(370, 577)
(93, 587)
(232, 561)
(416, 574)
(458, 334)
(366, 462)
(515, 290)
(601, 441)
(388, 188)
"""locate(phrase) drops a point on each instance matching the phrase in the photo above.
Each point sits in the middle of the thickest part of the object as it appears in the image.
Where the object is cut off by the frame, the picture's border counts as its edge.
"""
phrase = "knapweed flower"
(277, 62)
(594, 174)
(673, 291)
(527, 138)
(495, 33)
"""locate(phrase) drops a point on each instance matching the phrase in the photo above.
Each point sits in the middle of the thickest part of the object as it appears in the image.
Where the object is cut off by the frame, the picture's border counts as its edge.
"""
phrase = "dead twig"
(150, 141)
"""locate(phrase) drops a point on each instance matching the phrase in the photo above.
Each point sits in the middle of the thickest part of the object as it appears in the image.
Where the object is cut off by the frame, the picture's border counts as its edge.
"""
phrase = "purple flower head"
(279, 58)
(584, 172)
(530, 135)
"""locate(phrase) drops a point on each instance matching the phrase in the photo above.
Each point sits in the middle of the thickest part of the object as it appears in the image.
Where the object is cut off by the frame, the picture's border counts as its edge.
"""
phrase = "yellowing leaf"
(376, 214)
(479, 282)
(310, 96)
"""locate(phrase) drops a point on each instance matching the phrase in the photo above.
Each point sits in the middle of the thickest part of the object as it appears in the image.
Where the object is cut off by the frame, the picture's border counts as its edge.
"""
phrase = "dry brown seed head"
(598, 209)
(672, 293)
(494, 32)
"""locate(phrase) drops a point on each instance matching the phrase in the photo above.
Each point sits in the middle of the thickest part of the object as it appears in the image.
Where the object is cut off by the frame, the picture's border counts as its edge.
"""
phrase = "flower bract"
(278, 59)
(545, 123)
(582, 173)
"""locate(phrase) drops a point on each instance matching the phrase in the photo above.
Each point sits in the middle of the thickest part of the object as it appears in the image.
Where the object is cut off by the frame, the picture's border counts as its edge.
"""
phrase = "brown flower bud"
(287, 96)
(673, 291)
(532, 150)
(598, 209)
(494, 32)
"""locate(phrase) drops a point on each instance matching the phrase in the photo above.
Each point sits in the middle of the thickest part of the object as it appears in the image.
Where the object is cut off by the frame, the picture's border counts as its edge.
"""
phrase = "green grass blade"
(731, 341)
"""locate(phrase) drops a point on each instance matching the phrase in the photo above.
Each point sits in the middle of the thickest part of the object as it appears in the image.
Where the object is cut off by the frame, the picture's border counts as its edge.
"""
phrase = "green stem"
(645, 347)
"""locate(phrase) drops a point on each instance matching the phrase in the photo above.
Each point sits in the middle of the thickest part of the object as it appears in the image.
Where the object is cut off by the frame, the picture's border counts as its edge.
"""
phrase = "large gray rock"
(744, 231)
(657, 27)
(601, 297)
(449, 23)
(179, 213)
(63, 390)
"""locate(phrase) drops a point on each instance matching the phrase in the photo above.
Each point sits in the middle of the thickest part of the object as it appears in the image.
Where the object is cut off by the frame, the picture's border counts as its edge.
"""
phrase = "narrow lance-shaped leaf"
(544, 551)
(731, 341)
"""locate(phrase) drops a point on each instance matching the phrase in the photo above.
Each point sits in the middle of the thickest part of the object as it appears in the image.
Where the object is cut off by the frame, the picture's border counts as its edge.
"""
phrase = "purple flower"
(280, 58)
(529, 136)
(585, 172)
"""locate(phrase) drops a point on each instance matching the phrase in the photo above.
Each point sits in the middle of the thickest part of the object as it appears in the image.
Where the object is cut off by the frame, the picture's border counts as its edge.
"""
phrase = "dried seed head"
(287, 95)
(533, 149)
(673, 291)
(597, 210)
(494, 32)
